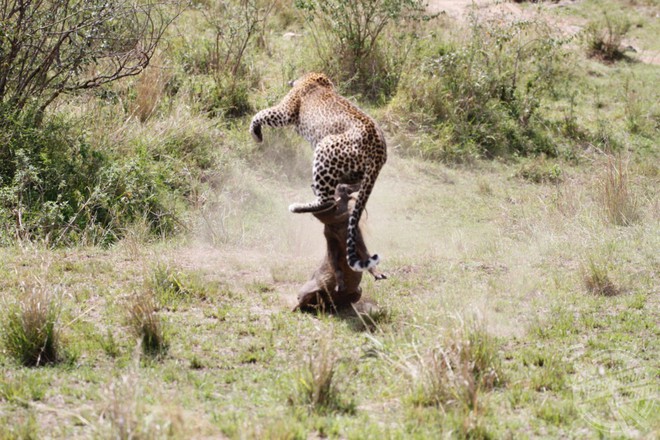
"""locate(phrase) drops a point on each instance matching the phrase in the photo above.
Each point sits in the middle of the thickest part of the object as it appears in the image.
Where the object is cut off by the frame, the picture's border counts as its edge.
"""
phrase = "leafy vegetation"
(363, 43)
(481, 97)
(47, 49)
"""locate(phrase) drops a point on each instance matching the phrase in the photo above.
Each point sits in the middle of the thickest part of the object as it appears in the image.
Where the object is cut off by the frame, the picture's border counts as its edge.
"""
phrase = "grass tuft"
(316, 384)
(31, 331)
(597, 280)
(148, 91)
(459, 371)
(146, 324)
(540, 171)
(619, 203)
(171, 288)
(126, 415)
(604, 37)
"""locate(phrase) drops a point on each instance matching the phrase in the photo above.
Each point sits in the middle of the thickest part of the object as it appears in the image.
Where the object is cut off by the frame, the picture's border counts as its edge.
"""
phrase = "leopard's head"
(311, 79)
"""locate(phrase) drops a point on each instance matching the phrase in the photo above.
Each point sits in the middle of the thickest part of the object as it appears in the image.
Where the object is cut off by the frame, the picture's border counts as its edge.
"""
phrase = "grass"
(146, 324)
(605, 37)
(31, 331)
(459, 371)
(317, 386)
(620, 205)
(521, 296)
(512, 254)
(597, 280)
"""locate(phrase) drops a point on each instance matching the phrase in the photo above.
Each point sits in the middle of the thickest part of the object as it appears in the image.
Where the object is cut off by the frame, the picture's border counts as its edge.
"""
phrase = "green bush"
(55, 186)
(605, 35)
(482, 96)
(45, 174)
(229, 97)
(363, 44)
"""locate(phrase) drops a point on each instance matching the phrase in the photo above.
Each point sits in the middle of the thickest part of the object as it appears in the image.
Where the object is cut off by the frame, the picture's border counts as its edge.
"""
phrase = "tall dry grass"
(149, 89)
(317, 387)
(31, 331)
(146, 324)
(619, 203)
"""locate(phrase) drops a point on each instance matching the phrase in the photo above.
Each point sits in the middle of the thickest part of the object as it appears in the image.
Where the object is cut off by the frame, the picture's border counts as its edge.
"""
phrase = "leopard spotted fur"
(349, 147)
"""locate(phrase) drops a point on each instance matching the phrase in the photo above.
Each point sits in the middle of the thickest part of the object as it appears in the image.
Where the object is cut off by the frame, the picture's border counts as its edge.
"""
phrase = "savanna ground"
(522, 298)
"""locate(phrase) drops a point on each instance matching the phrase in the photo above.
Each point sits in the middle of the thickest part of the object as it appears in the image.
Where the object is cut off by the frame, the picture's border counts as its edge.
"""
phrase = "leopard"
(349, 148)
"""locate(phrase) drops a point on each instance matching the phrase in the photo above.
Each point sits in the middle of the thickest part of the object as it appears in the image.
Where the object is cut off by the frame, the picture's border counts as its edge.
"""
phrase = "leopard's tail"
(354, 260)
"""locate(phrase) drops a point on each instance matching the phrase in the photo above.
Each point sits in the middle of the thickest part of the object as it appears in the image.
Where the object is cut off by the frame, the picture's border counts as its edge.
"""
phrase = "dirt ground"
(569, 26)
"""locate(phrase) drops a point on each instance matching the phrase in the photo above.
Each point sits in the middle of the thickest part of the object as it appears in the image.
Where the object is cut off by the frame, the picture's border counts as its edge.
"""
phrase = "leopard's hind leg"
(326, 174)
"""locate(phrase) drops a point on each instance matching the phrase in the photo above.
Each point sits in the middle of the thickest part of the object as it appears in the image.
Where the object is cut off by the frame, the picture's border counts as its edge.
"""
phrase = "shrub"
(56, 186)
(482, 97)
(44, 175)
(31, 330)
(50, 48)
(363, 43)
(236, 25)
(604, 37)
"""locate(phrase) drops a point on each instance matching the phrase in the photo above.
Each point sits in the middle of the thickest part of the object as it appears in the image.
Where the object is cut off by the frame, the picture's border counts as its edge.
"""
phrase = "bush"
(482, 97)
(56, 186)
(45, 176)
(237, 26)
(604, 37)
(364, 43)
(50, 48)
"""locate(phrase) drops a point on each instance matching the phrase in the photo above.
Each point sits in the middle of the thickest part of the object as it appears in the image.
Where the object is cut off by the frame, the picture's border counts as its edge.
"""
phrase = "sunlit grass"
(32, 327)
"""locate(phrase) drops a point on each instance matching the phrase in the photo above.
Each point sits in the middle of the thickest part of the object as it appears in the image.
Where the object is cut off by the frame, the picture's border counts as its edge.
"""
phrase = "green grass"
(239, 363)
(31, 331)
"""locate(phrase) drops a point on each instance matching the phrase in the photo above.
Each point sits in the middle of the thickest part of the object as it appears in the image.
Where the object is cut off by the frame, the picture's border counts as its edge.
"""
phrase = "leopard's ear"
(323, 80)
